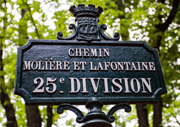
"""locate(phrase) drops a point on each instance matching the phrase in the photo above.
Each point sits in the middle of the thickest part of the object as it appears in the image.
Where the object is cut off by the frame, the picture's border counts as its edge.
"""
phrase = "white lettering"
(34, 65)
(151, 66)
(106, 52)
(73, 85)
(132, 85)
(147, 84)
(66, 65)
(86, 52)
(117, 85)
(106, 85)
(27, 65)
(93, 52)
(71, 52)
(126, 80)
(84, 85)
(95, 86)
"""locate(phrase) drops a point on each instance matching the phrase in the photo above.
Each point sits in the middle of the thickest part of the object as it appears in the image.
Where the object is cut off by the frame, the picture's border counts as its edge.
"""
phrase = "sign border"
(80, 101)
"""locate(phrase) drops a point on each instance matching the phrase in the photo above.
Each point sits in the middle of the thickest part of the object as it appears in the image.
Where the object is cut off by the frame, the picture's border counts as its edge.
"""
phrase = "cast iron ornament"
(48, 87)
(95, 116)
(87, 28)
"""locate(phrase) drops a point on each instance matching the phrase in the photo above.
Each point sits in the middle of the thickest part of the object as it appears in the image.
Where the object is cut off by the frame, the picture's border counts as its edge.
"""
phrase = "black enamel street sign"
(88, 64)
(55, 71)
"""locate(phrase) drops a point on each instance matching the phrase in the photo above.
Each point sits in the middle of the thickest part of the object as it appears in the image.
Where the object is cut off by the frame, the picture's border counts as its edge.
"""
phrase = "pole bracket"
(95, 117)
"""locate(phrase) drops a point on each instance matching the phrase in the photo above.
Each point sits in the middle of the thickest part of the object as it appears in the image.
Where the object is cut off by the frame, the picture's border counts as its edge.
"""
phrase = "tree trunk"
(49, 116)
(5, 100)
(32, 112)
(9, 109)
(33, 116)
(142, 114)
(125, 33)
(4, 97)
(162, 27)
(157, 118)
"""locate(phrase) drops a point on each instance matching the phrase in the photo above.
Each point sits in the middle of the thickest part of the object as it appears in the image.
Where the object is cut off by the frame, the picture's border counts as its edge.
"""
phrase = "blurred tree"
(32, 112)
(4, 96)
(155, 21)
(15, 32)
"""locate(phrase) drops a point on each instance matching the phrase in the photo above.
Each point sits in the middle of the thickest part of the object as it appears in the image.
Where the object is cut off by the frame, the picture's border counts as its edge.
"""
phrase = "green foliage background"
(133, 19)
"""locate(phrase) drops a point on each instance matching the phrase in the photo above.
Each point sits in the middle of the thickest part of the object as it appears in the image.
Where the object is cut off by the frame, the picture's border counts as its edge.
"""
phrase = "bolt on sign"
(88, 64)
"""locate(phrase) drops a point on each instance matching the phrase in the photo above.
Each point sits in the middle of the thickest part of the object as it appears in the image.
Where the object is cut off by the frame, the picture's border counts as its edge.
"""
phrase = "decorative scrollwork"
(124, 106)
(87, 28)
(66, 106)
(71, 27)
(104, 27)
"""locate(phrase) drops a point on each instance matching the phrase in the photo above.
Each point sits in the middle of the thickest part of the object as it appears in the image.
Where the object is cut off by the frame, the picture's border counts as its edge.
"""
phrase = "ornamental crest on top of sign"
(87, 28)
(72, 70)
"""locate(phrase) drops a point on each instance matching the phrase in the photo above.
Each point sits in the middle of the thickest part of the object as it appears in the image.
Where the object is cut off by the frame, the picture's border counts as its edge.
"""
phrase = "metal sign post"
(89, 68)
